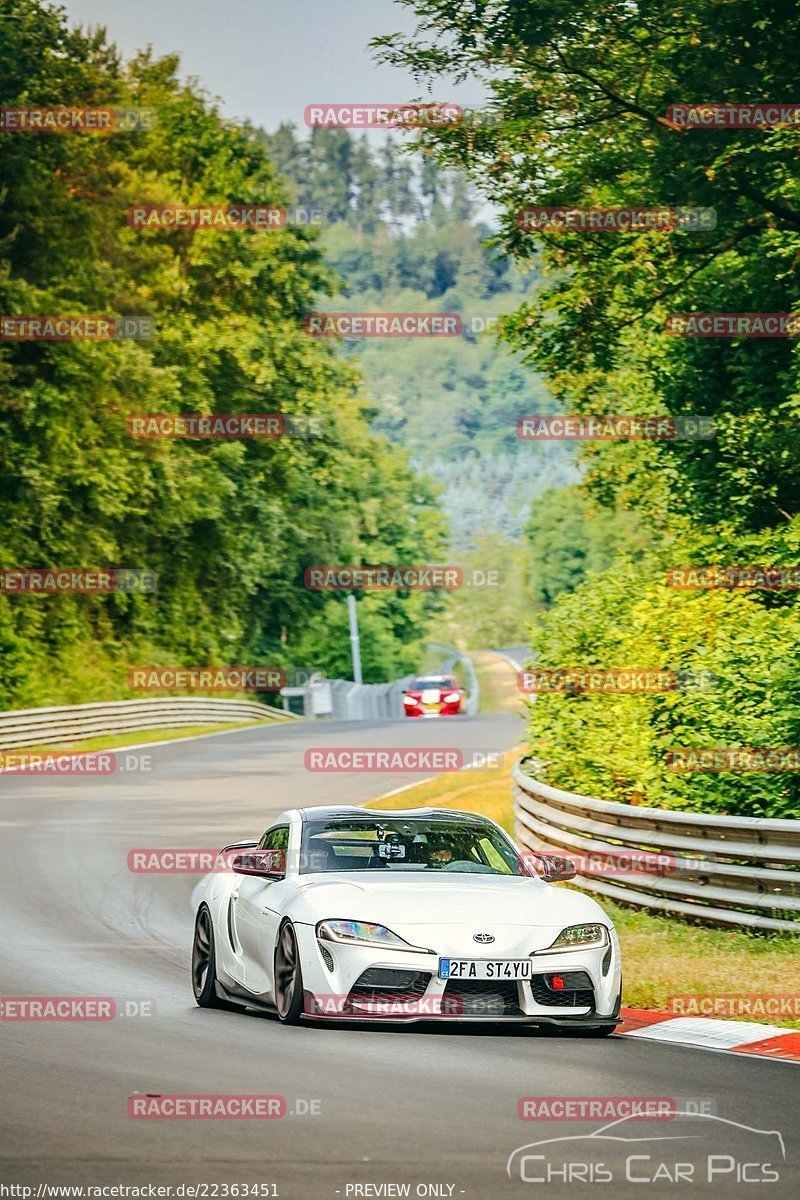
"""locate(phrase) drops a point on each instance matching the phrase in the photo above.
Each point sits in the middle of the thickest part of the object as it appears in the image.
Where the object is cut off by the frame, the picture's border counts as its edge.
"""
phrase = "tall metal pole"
(355, 643)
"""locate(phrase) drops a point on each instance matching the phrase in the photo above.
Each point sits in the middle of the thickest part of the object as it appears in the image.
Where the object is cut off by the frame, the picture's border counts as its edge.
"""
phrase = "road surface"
(409, 1105)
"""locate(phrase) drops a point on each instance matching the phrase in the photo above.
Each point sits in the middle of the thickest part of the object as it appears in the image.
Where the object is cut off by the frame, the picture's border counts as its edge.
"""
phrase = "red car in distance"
(435, 696)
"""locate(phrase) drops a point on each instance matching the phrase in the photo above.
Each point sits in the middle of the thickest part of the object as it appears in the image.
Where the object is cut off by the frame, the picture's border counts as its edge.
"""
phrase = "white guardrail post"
(74, 723)
(736, 871)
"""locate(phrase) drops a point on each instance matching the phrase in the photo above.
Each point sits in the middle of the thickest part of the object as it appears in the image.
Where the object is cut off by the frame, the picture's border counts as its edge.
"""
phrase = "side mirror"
(552, 868)
(556, 868)
(269, 864)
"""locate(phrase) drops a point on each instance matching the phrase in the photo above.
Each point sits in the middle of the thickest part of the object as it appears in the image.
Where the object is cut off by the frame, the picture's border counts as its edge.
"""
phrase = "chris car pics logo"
(698, 1148)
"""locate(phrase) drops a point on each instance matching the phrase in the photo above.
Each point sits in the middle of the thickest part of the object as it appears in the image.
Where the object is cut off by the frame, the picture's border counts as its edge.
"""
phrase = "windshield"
(426, 844)
(433, 681)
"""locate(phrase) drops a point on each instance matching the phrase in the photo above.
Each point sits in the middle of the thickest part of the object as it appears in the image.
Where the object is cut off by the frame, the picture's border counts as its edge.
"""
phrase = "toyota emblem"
(483, 938)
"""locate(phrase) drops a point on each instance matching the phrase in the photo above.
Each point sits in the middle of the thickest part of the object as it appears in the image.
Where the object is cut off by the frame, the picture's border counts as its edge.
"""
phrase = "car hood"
(412, 901)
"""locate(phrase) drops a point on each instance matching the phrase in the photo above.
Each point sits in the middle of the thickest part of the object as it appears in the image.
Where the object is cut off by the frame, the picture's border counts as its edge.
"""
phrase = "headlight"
(451, 697)
(364, 933)
(578, 937)
(409, 700)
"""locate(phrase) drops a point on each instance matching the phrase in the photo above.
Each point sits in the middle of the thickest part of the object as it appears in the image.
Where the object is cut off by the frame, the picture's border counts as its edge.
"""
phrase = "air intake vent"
(382, 979)
(326, 956)
(482, 998)
(563, 989)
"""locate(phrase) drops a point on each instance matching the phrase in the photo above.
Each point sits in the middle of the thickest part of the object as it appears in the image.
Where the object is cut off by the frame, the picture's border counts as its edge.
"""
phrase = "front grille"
(482, 998)
(577, 990)
(379, 983)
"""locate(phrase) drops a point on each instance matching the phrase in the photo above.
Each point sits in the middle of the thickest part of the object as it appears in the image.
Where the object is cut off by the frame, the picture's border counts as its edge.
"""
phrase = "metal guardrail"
(348, 701)
(739, 871)
(74, 723)
(368, 701)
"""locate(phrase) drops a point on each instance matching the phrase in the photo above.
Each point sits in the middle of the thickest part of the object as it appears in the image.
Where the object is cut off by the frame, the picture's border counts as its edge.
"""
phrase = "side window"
(275, 839)
(493, 857)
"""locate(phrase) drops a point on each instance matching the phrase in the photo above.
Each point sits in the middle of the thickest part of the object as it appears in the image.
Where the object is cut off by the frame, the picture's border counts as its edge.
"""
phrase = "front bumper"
(335, 991)
(439, 710)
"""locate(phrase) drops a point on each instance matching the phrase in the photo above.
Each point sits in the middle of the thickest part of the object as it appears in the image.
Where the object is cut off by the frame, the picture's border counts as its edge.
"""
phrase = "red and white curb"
(709, 1033)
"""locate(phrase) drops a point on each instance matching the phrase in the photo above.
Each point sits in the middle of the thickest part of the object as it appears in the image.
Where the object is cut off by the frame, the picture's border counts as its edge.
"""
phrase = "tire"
(204, 968)
(288, 976)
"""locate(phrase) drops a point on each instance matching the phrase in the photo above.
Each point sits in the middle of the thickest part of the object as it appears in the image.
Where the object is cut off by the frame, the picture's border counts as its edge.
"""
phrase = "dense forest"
(228, 527)
(579, 103)
(418, 458)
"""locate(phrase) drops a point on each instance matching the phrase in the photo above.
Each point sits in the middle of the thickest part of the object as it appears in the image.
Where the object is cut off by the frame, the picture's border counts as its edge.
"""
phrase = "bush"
(615, 746)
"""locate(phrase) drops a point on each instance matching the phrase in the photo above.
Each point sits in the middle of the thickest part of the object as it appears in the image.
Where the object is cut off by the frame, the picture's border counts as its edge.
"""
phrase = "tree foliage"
(227, 527)
(578, 115)
(579, 95)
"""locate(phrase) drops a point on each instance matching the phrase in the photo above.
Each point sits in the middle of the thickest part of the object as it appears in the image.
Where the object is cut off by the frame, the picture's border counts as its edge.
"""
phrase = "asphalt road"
(516, 655)
(416, 1105)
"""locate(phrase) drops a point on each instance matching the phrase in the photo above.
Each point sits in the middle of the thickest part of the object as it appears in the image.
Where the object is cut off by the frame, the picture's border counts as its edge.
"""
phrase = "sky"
(265, 59)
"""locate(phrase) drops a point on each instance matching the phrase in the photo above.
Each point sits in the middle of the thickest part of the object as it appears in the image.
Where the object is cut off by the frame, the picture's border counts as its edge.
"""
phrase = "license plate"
(485, 968)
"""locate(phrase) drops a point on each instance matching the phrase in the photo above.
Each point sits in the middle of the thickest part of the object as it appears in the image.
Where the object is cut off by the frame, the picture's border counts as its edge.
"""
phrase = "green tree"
(228, 527)
(580, 96)
(570, 538)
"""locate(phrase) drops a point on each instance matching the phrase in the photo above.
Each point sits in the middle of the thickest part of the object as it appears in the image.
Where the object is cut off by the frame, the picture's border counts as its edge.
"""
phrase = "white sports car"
(426, 914)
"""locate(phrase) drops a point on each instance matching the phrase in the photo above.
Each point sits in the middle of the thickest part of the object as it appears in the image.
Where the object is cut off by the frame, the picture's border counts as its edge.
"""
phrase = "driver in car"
(440, 853)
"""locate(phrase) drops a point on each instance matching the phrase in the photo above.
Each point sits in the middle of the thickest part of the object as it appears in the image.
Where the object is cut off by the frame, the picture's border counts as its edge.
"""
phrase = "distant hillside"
(407, 240)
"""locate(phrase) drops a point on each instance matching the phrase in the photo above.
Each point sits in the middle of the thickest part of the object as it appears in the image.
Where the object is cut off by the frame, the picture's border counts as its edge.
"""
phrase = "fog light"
(557, 983)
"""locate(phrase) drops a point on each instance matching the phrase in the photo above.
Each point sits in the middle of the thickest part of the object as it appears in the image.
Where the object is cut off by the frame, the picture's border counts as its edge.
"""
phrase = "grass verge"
(497, 683)
(662, 956)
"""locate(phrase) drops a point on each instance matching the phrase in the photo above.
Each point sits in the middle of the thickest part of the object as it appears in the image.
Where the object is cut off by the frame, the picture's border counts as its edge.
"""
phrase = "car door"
(255, 919)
